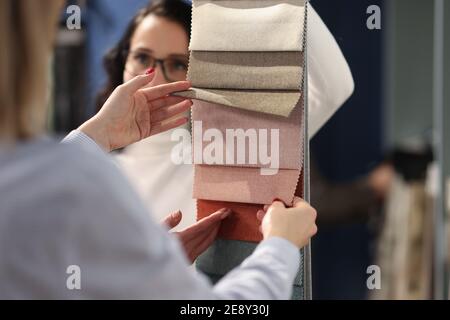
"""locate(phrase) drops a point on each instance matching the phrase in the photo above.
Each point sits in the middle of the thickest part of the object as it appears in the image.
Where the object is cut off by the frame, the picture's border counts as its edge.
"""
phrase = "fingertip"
(260, 214)
(226, 213)
(278, 203)
(150, 71)
(181, 121)
(187, 84)
(177, 215)
(147, 76)
(277, 200)
(298, 201)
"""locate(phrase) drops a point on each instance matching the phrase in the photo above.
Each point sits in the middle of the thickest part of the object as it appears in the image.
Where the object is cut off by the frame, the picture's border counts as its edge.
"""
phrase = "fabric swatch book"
(247, 63)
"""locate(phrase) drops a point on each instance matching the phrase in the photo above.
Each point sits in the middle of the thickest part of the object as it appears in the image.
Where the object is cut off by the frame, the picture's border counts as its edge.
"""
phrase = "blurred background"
(381, 166)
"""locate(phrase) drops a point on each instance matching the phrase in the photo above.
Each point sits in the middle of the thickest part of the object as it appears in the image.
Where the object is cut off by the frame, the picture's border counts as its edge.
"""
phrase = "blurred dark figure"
(349, 203)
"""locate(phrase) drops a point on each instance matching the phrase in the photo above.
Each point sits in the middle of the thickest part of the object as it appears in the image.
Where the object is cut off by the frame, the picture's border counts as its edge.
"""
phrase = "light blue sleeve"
(146, 262)
(267, 274)
(78, 137)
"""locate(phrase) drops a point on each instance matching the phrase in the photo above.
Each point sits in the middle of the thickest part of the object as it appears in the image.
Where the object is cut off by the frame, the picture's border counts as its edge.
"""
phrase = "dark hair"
(177, 11)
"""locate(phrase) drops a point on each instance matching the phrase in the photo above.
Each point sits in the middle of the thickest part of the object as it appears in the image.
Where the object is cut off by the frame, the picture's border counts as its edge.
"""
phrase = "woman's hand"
(134, 112)
(198, 237)
(296, 224)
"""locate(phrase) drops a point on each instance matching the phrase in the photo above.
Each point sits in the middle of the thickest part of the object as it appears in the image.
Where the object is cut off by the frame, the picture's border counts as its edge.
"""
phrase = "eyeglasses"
(139, 61)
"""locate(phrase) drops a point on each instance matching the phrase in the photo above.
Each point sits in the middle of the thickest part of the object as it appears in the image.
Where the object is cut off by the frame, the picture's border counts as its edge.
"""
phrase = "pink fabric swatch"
(289, 134)
(242, 224)
(246, 185)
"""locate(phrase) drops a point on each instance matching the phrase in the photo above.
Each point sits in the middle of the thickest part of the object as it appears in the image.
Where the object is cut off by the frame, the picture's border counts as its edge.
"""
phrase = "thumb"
(139, 82)
(298, 202)
(277, 203)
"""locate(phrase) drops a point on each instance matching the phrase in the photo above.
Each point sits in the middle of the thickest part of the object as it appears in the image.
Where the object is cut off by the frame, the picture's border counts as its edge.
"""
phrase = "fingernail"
(176, 215)
(226, 213)
(150, 71)
(278, 200)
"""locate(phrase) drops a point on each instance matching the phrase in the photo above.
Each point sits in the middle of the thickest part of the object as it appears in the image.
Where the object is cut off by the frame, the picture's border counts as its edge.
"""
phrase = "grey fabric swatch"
(246, 70)
(225, 255)
(298, 293)
(213, 278)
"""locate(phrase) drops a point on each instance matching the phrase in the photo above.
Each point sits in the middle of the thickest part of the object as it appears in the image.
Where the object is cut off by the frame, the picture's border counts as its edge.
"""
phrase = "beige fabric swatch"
(275, 102)
(247, 25)
(246, 70)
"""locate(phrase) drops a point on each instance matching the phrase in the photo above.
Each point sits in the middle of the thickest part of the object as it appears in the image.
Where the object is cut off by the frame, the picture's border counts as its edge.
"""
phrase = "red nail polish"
(150, 71)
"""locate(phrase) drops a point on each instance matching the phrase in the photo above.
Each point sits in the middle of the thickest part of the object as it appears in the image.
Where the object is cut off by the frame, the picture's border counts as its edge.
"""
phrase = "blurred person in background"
(353, 202)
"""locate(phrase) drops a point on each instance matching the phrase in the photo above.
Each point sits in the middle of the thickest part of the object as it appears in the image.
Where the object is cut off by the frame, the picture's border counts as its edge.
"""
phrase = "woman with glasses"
(157, 37)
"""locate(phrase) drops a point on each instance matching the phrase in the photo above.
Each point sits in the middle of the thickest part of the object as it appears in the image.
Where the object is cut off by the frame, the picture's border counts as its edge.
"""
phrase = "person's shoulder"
(78, 158)
(52, 171)
(73, 180)
(96, 180)
(76, 164)
(91, 169)
(69, 202)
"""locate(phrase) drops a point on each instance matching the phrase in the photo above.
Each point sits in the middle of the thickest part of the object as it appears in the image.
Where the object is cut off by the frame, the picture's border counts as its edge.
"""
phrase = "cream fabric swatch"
(247, 25)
